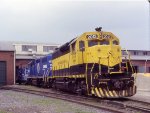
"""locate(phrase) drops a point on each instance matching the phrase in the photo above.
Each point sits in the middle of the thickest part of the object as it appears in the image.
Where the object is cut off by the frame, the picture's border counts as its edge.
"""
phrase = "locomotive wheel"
(54, 85)
(82, 90)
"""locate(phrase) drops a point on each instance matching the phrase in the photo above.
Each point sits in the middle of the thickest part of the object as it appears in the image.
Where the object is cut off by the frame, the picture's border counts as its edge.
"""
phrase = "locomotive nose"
(98, 51)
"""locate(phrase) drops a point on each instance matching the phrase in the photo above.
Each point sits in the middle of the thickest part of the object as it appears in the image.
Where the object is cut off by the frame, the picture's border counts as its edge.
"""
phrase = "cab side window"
(73, 46)
(115, 42)
(81, 46)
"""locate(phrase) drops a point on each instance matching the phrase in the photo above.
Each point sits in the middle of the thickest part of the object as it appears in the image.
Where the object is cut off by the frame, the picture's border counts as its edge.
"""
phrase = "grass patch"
(2, 111)
(43, 102)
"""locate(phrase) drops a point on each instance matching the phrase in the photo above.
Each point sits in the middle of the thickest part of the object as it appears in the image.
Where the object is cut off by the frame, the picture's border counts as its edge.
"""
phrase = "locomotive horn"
(98, 29)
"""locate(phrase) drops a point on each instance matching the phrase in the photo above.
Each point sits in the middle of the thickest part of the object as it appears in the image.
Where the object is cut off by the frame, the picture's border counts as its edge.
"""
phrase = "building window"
(124, 52)
(29, 47)
(48, 48)
(135, 53)
(144, 53)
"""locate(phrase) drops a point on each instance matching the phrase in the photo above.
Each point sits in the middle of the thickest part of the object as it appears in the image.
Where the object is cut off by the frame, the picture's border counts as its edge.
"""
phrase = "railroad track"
(122, 105)
(134, 106)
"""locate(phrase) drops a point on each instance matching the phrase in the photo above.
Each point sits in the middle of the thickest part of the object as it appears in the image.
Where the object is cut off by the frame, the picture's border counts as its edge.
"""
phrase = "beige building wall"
(18, 48)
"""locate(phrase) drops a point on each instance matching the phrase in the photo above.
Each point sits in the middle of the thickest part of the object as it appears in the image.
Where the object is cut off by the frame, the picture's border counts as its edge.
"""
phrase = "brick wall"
(140, 62)
(22, 62)
(141, 65)
(8, 57)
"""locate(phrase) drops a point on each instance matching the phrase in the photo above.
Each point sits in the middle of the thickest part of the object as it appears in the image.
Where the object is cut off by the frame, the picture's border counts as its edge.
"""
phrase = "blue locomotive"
(36, 72)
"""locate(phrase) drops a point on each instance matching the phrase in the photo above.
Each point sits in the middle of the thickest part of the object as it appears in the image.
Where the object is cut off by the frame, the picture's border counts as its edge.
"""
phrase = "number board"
(106, 36)
(92, 36)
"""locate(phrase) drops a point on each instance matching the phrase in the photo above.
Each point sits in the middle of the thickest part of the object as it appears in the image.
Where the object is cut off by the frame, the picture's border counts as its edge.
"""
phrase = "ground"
(18, 102)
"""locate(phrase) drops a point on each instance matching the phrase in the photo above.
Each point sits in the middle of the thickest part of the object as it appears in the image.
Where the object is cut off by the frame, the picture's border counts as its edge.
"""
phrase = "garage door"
(2, 73)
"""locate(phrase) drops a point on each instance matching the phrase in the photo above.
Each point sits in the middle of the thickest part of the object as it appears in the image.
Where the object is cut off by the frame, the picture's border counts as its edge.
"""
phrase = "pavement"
(142, 96)
(143, 87)
(143, 81)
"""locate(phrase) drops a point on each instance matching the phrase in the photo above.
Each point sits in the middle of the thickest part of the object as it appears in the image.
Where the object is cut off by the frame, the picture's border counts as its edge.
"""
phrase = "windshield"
(104, 42)
(97, 42)
(92, 43)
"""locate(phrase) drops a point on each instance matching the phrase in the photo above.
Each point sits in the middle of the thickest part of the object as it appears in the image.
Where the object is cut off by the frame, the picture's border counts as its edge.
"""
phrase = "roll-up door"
(2, 73)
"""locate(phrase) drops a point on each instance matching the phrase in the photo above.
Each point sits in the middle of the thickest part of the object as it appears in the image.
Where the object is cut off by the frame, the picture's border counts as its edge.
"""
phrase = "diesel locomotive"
(92, 64)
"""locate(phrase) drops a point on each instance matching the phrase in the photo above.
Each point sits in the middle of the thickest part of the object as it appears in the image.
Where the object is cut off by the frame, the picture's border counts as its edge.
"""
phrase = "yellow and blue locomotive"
(92, 64)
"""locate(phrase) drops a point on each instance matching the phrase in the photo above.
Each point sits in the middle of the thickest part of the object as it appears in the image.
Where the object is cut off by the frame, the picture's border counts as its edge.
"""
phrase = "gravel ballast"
(19, 102)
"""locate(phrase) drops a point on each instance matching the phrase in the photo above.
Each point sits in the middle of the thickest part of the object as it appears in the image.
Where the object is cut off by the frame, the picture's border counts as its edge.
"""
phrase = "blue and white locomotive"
(37, 71)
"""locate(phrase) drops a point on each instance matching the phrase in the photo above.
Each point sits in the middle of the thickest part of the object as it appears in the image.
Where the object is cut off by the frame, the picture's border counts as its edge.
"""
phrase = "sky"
(59, 21)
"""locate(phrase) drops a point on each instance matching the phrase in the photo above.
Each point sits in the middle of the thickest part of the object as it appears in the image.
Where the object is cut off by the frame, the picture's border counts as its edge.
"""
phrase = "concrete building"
(26, 51)
(7, 64)
(140, 60)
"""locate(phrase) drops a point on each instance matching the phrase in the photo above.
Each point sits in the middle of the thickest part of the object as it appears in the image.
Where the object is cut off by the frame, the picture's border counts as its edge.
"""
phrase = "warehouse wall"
(141, 65)
(8, 57)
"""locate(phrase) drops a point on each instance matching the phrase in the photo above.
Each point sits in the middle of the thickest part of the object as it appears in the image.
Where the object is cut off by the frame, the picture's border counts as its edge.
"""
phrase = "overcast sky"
(60, 21)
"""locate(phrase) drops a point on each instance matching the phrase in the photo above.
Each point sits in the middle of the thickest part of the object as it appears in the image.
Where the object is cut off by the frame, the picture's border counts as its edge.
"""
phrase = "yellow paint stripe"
(123, 93)
(97, 92)
(68, 76)
(101, 92)
(93, 91)
(106, 93)
(111, 94)
(126, 93)
(115, 93)
(147, 74)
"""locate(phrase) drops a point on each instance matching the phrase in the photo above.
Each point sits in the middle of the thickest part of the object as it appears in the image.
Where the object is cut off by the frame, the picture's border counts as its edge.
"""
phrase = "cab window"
(115, 42)
(81, 46)
(104, 42)
(73, 46)
(92, 43)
